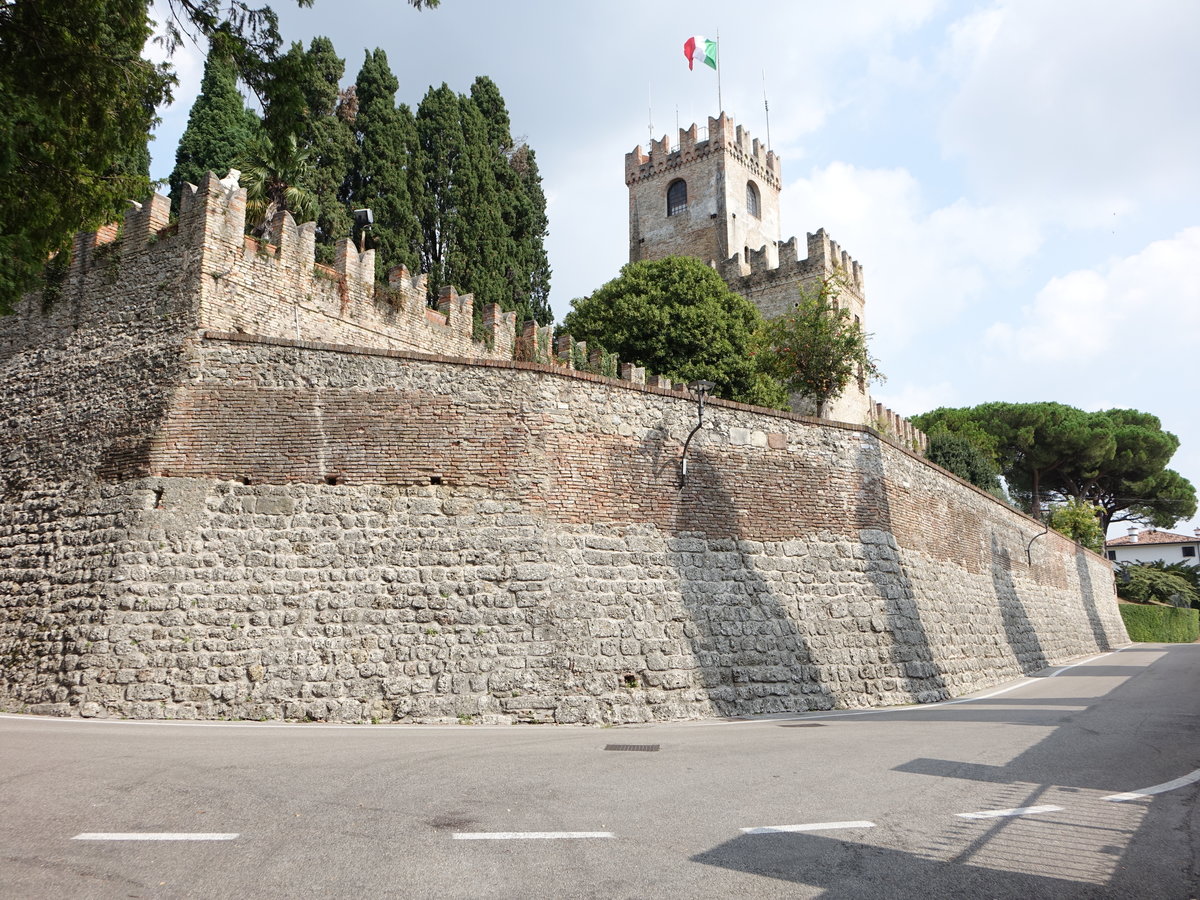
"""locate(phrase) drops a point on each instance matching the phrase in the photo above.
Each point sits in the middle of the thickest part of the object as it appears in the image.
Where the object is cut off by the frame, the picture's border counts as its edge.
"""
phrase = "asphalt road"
(835, 805)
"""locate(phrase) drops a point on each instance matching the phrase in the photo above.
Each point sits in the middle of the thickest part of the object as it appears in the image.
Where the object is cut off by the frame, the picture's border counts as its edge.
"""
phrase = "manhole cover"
(645, 748)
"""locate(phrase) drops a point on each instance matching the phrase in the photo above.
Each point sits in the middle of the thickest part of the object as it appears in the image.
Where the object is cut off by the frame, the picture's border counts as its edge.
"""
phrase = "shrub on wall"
(1156, 582)
(1077, 520)
(1161, 623)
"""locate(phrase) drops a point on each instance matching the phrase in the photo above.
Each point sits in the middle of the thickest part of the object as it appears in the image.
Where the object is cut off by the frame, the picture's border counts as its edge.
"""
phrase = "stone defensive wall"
(204, 268)
(202, 515)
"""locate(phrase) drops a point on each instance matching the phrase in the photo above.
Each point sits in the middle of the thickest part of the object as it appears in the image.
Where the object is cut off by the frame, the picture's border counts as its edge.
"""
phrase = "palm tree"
(273, 174)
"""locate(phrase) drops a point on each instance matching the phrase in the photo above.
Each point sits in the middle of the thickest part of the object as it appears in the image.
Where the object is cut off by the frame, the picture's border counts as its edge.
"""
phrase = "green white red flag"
(700, 49)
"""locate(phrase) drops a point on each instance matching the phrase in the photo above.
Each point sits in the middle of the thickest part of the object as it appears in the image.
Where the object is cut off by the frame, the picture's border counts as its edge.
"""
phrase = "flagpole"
(766, 108)
(720, 103)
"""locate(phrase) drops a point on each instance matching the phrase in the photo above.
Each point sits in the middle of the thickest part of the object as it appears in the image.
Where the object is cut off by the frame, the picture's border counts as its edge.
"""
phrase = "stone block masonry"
(235, 485)
(308, 531)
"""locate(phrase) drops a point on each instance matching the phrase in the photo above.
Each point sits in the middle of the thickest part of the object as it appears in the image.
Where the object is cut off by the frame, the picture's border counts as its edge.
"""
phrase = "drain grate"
(645, 748)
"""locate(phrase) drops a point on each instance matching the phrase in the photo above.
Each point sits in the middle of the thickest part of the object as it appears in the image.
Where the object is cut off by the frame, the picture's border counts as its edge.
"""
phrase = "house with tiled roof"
(1152, 545)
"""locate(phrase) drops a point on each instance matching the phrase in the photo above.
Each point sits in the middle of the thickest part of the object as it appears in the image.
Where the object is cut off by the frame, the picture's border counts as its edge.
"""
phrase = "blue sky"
(1018, 178)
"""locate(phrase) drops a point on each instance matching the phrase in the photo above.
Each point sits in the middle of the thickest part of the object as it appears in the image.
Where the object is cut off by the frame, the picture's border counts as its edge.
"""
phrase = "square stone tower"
(716, 197)
(711, 196)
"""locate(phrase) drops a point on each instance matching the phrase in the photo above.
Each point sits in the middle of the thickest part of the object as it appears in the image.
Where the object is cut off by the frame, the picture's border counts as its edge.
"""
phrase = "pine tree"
(220, 129)
(384, 166)
(326, 69)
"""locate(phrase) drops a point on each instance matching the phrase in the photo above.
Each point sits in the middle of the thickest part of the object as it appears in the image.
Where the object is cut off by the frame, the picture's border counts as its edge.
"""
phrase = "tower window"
(677, 197)
(752, 200)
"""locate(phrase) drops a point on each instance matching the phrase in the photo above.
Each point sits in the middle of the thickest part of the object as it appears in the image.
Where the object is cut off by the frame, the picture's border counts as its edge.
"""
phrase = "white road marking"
(153, 836)
(1190, 778)
(529, 835)
(1082, 662)
(1001, 813)
(813, 826)
(808, 717)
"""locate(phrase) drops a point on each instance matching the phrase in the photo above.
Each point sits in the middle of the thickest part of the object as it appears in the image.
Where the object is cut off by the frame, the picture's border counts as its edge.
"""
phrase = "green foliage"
(54, 277)
(1079, 521)
(1114, 459)
(677, 318)
(220, 129)
(965, 459)
(328, 135)
(1161, 624)
(1156, 583)
(817, 348)
(1161, 500)
(77, 102)
(480, 203)
(251, 36)
(273, 174)
(522, 263)
(386, 173)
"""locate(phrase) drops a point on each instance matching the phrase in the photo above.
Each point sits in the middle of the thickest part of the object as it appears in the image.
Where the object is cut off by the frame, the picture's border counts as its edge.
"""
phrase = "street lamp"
(700, 388)
(363, 219)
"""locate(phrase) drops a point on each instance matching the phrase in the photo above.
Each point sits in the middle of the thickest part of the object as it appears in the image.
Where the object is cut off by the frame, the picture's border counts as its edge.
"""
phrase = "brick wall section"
(347, 534)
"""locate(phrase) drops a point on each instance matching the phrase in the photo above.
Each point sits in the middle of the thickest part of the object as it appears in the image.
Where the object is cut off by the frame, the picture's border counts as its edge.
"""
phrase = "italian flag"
(700, 49)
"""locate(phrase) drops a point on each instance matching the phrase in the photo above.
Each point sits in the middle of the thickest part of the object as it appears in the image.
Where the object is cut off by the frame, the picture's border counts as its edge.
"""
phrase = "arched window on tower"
(676, 197)
(752, 200)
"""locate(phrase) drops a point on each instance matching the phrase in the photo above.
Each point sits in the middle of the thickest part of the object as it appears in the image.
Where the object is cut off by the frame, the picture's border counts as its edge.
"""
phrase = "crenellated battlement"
(538, 344)
(899, 429)
(221, 280)
(824, 257)
(721, 135)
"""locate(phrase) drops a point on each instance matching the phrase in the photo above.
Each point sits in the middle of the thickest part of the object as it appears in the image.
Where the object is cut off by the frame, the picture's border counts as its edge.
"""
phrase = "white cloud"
(923, 266)
(911, 398)
(1076, 107)
(1143, 307)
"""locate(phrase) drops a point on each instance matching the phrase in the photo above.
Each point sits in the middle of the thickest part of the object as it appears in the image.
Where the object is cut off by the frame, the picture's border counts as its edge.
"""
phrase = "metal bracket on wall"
(1029, 546)
(700, 388)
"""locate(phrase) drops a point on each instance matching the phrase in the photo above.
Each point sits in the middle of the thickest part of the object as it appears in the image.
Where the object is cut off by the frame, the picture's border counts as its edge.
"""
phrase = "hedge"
(1167, 624)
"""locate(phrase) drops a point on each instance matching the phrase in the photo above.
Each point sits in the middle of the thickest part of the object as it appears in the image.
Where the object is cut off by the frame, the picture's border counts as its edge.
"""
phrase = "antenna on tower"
(649, 111)
(766, 108)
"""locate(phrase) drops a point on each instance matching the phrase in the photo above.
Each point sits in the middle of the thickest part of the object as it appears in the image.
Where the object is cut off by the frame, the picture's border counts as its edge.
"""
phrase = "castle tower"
(712, 196)
(716, 197)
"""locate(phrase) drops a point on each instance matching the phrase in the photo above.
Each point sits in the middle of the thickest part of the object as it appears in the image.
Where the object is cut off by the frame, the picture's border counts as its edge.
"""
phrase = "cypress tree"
(383, 167)
(220, 129)
(524, 267)
(330, 137)
(484, 247)
(531, 279)
(441, 144)
(326, 69)
(76, 104)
